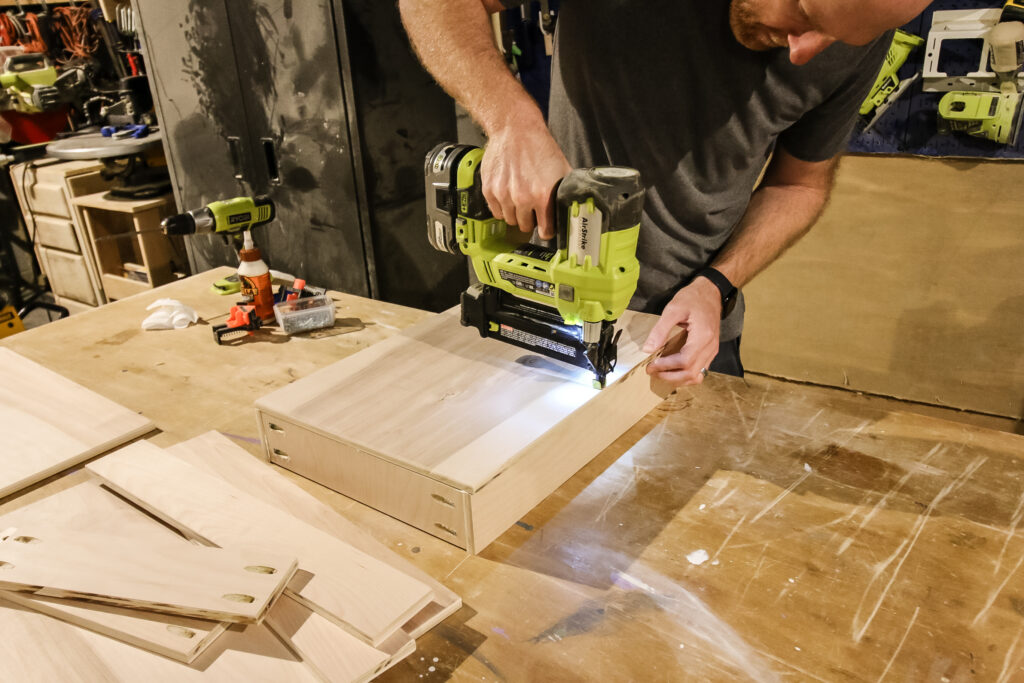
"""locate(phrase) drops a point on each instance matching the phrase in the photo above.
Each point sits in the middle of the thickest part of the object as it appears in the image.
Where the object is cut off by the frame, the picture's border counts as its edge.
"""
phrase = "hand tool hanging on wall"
(995, 115)
(888, 87)
(559, 302)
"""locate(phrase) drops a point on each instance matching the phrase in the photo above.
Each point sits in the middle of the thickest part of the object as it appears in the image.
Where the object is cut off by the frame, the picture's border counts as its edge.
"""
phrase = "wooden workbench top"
(746, 529)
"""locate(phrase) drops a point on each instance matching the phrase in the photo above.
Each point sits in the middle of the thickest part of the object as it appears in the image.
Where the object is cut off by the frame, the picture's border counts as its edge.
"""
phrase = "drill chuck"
(189, 223)
(179, 224)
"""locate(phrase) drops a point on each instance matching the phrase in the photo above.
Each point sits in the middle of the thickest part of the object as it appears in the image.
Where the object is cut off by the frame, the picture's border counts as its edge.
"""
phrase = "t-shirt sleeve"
(824, 131)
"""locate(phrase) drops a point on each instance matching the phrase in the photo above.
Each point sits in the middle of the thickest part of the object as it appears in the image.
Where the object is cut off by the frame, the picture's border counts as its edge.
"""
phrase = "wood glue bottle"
(255, 278)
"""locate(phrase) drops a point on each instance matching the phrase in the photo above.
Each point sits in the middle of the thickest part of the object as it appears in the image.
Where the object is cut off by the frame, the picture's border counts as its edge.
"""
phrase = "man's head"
(806, 27)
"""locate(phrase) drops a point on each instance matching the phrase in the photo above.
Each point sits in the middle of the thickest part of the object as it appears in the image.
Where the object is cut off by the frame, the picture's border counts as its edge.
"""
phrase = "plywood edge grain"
(178, 638)
(135, 572)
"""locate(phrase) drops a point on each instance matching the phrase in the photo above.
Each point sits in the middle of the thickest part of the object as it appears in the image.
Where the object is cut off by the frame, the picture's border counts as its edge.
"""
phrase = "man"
(695, 94)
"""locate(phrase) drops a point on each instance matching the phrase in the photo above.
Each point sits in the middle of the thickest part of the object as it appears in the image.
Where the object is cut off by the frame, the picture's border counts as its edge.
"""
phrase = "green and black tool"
(561, 302)
(997, 115)
(227, 217)
(888, 87)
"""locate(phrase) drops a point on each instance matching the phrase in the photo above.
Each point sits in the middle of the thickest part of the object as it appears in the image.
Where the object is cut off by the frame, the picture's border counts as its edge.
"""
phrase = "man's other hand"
(698, 308)
(521, 167)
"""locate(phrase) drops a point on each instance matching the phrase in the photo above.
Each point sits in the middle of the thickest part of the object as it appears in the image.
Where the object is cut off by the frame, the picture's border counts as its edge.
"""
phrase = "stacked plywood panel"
(247, 579)
(48, 423)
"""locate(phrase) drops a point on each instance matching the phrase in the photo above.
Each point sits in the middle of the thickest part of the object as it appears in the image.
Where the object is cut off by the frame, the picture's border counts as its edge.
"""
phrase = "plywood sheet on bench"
(359, 591)
(49, 423)
(215, 454)
(27, 636)
(441, 400)
(172, 577)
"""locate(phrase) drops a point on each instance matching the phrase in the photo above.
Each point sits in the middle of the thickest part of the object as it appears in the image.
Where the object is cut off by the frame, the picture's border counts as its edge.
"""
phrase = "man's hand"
(521, 166)
(698, 308)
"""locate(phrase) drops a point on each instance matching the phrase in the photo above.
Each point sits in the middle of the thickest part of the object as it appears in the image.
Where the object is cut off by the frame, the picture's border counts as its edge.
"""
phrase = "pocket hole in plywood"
(181, 631)
(6, 565)
(25, 539)
(442, 527)
(278, 453)
(260, 569)
(238, 597)
(274, 428)
(442, 500)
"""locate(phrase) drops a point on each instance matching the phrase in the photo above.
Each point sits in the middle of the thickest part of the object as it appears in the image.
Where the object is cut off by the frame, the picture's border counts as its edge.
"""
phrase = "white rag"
(170, 314)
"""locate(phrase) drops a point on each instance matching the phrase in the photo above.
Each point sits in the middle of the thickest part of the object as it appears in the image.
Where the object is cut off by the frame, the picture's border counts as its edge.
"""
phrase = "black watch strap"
(725, 288)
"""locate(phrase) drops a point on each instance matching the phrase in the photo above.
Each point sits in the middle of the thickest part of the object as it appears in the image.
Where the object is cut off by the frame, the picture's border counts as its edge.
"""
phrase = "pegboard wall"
(908, 127)
(910, 124)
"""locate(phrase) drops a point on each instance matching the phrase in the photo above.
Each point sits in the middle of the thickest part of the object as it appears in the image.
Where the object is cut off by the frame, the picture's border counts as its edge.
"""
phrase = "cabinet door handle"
(236, 156)
(270, 154)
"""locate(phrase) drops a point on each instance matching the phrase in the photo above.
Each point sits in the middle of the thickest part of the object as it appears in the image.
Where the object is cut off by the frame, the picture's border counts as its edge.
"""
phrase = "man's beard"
(746, 28)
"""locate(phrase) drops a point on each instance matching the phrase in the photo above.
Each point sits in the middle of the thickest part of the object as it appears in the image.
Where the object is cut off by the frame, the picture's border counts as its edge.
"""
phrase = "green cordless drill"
(228, 217)
(560, 302)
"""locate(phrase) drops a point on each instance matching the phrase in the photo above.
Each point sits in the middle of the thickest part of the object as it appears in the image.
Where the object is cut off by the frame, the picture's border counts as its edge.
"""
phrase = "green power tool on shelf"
(561, 302)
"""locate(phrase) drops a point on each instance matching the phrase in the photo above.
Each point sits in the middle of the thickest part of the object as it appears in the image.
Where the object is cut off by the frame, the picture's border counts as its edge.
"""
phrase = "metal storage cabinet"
(322, 105)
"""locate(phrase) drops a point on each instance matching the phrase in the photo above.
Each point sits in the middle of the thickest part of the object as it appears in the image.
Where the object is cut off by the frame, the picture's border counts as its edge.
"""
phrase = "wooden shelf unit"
(140, 260)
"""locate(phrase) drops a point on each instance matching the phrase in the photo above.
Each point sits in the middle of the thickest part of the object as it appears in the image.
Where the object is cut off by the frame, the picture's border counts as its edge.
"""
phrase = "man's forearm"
(453, 40)
(777, 216)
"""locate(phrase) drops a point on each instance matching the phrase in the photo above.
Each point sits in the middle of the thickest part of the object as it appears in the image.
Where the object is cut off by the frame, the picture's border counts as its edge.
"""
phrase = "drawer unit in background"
(68, 274)
(56, 233)
(46, 189)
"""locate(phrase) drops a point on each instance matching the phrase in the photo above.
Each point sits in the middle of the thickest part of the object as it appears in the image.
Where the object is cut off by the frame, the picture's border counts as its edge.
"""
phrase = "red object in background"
(29, 129)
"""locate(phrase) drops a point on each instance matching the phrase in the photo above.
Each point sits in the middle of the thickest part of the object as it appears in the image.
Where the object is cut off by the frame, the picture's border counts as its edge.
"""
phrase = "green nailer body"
(559, 301)
(227, 217)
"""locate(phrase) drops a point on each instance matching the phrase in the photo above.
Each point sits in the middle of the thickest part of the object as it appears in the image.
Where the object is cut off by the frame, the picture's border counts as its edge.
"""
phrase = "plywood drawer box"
(68, 275)
(456, 435)
(425, 503)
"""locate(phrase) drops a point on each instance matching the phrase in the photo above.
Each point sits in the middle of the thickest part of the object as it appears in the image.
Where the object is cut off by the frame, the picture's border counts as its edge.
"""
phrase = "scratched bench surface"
(766, 531)
(844, 542)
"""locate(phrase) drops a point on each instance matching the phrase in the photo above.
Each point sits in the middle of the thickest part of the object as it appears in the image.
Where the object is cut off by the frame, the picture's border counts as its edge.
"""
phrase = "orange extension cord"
(76, 32)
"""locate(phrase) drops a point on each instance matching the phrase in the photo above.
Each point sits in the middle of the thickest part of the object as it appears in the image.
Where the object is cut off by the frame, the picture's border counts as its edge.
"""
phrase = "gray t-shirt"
(664, 87)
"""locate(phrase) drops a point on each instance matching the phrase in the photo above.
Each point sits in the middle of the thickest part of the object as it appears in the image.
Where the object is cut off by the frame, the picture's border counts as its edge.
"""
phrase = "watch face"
(728, 304)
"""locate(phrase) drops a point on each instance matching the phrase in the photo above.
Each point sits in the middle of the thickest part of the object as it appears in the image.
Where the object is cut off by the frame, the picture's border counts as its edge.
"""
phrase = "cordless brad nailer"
(560, 302)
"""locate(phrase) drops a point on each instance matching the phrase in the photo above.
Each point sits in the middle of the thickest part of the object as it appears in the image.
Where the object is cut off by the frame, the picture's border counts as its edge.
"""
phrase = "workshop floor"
(40, 317)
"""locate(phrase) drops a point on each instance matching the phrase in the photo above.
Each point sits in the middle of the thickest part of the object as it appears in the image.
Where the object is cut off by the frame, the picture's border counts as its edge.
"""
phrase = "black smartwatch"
(725, 288)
